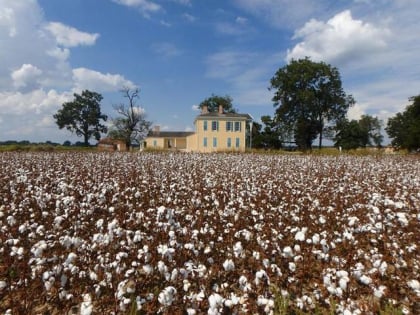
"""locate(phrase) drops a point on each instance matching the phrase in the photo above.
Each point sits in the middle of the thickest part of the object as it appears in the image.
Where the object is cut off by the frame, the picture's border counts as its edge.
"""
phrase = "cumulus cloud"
(93, 80)
(33, 102)
(25, 75)
(339, 39)
(36, 76)
(68, 36)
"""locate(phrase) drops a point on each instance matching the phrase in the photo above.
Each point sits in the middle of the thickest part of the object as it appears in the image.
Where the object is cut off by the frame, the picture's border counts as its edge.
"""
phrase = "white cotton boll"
(215, 301)
(315, 238)
(93, 276)
(70, 258)
(229, 265)
(186, 285)
(300, 236)
(292, 266)
(167, 296)
(327, 280)
(365, 280)
(287, 252)
(343, 283)
(296, 248)
(191, 311)
(322, 219)
(86, 307)
(99, 223)
(402, 218)
(414, 285)
(238, 249)
(379, 292)
(3, 284)
(174, 274)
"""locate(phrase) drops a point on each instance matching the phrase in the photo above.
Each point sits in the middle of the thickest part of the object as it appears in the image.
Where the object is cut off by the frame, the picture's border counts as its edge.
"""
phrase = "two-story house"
(214, 132)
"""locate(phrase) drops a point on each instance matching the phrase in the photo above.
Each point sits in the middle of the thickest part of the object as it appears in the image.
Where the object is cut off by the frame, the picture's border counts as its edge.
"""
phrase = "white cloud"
(166, 50)
(36, 76)
(183, 2)
(68, 36)
(7, 18)
(145, 6)
(25, 75)
(33, 102)
(339, 40)
(189, 17)
(282, 14)
(97, 81)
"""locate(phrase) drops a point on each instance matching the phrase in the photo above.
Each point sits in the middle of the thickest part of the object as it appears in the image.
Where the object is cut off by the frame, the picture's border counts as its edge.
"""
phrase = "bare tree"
(131, 126)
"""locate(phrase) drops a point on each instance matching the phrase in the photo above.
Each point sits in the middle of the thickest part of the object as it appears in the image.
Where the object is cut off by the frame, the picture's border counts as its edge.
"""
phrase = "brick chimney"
(156, 129)
(221, 109)
(204, 109)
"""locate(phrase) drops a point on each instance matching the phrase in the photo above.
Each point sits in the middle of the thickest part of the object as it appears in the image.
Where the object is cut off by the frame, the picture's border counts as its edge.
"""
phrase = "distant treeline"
(66, 143)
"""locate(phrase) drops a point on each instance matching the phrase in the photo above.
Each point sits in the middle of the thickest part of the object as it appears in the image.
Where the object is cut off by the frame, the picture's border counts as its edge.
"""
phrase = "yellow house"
(214, 132)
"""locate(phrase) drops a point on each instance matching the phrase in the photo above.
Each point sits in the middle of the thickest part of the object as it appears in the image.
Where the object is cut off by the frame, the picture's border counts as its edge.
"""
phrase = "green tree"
(214, 101)
(132, 126)
(371, 129)
(83, 116)
(307, 96)
(268, 137)
(358, 133)
(404, 128)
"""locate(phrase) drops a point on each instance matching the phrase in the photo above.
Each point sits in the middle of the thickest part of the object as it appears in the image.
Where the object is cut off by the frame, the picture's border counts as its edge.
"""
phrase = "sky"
(179, 52)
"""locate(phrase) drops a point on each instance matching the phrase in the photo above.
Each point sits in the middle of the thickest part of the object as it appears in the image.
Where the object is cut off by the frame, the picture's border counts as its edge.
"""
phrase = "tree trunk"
(86, 139)
(320, 140)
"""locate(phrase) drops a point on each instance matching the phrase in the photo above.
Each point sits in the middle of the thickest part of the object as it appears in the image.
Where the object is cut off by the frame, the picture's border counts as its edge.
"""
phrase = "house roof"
(169, 134)
(224, 115)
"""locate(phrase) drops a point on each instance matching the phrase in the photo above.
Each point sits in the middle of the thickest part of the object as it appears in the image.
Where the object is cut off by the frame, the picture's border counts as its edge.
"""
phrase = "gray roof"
(170, 134)
(224, 115)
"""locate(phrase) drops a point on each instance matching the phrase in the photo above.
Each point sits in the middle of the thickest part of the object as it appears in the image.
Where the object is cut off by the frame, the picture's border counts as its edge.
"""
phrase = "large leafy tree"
(358, 133)
(307, 96)
(404, 128)
(83, 116)
(131, 126)
(214, 101)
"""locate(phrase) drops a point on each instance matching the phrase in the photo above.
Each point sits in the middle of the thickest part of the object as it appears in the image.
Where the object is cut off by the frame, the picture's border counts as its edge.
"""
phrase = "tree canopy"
(83, 116)
(214, 101)
(307, 96)
(267, 137)
(404, 128)
(131, 126)
(358, 133)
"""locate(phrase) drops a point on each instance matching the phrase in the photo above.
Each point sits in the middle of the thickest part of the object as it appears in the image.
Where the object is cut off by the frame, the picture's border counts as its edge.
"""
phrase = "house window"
(229, 126)
(205, 125)
(229, 142)
(237, 142)
(214, 125)
(237, 126)
(205, 142)
(214, 142)
(155, 143)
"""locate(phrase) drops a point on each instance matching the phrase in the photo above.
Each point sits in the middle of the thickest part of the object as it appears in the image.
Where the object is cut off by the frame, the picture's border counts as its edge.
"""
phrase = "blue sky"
(179, 52)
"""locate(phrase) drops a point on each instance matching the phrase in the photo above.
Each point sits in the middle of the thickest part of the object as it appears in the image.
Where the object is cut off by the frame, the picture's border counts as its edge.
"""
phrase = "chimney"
(204, 109)
(220, 109)
(156, 129)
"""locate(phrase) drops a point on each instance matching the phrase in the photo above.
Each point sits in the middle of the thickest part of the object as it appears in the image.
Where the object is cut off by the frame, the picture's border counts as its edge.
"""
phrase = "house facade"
(214, 132)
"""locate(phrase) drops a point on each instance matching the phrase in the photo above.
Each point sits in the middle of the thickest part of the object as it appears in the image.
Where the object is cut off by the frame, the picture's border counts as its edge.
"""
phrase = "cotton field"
(166, 233)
